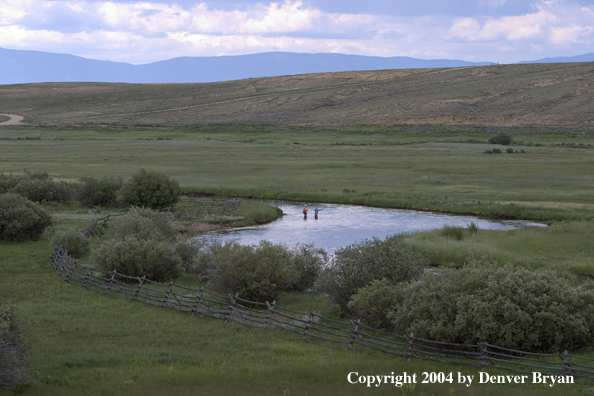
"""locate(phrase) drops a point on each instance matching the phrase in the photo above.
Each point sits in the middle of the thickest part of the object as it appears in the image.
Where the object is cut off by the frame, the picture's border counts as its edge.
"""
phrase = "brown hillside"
(531, 94)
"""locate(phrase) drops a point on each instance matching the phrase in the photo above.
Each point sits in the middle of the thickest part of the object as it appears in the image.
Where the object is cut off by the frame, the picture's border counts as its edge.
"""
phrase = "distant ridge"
(565, 59)
(20, 66)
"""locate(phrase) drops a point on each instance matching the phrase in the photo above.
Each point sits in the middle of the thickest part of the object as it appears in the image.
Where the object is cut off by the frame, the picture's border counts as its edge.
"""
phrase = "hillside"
(527, 94)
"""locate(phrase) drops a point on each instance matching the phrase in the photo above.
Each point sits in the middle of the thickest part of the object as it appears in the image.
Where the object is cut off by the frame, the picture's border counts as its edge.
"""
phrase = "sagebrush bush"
(8, 182)
(73, 241)
(98, 192)
(509, 150)
(145, 224)
(452, 232)
(258, 273)
(496, 151)
(501, 138)
(13, 353)
(21, 219)
(531, 310)
(149, 189)
(40, 187)
(373, 302)
(308, 262)
(356, 265)
(152, 259)
(188, 254)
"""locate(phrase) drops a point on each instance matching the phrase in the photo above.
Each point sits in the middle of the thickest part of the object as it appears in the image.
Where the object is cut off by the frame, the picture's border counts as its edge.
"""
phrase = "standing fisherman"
(316, 210)
(305, 212)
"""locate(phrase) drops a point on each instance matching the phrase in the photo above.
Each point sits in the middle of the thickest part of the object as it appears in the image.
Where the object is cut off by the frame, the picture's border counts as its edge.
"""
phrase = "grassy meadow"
(82, 342)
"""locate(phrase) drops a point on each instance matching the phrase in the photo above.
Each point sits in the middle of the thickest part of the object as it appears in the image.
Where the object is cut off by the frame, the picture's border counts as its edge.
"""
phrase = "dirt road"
(14, 119)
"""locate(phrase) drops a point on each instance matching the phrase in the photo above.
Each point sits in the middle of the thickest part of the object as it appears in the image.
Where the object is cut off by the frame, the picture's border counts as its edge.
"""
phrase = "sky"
(137, 32)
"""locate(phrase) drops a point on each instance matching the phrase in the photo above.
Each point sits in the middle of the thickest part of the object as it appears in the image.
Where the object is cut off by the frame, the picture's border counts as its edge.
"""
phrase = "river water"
(341, 225)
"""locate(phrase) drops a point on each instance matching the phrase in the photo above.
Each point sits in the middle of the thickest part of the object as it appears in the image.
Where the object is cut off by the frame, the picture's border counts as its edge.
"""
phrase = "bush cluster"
(21, 219)
(357, 265)
(13, 353)
(258, 273)
(517, 308)
(73, 241)
(38, 187)
(149, 189)
(98, 192)
(501, 138)
(142, 246)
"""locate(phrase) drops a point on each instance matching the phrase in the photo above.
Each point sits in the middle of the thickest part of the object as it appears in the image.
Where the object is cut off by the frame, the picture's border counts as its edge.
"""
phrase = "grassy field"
(86, 343)
(431, 168)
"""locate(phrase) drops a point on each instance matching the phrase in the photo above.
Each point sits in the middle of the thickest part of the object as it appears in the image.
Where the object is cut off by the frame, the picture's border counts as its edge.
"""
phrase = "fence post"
(198, 297)
(308, 325)
(89, 273)
(566, 365)
(353, 332)
(410, 347)
(270, 311)
(166, 296)
(230, 306)
(69, 271)
(113, 274)
(140, 283)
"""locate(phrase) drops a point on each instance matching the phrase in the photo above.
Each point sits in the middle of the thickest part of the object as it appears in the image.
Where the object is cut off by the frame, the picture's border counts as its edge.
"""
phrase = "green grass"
(385, 167)
(83, 342)
(566, 245)
(87, 343)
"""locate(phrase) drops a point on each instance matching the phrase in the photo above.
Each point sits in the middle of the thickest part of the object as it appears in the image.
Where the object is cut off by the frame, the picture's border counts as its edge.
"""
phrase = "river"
(342, 225)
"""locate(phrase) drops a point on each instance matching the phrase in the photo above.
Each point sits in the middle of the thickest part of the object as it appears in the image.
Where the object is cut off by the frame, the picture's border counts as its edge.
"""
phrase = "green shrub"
(530, 310)
(73, 241)
(145, 224)
(356, 265)
(473, 228)
(98, 192)
(509, 150)
(21, 219)
(496, 151)
(256, 273)
(501, 138)
(487, 152)
(40, 187)
(13, 353)
(149, 189)
(452, 232)
(152, 259)
(372, 303)
(308, 262)
(522, 151)
(8, 182)
(188, 253)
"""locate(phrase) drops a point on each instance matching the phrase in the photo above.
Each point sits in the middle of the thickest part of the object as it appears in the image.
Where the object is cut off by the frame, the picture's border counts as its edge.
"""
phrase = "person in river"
(316, 210)
(305, 212)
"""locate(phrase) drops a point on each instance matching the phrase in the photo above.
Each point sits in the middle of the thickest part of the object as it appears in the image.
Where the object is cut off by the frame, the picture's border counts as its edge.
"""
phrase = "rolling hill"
(522, 94)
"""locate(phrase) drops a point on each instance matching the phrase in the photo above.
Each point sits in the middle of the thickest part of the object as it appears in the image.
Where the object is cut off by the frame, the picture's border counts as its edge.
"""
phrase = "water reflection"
(342, 225)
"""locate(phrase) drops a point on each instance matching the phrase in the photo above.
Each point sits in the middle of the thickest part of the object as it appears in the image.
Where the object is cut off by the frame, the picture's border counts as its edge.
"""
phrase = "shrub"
(145, 224)
(73, 241)
(21, 219)
(13, 353)
(188, 253)
(39, 187)
(487, 152)
(8, 182)
(509, 150)
(517, 308)
(152, 259)
(453, 232)
(149, 189)
(308, 262)
(356, 265)
(373, 302)
(522, 151)
(501, 138)
(99, 192)
(473, 228)
(255, 273)
(496, 151)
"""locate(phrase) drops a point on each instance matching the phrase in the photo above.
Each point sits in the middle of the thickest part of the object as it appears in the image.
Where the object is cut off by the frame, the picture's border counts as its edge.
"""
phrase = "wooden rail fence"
(310, 326)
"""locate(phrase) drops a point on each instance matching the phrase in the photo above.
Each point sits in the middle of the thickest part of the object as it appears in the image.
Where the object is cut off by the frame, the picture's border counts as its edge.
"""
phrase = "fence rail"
(310, 326)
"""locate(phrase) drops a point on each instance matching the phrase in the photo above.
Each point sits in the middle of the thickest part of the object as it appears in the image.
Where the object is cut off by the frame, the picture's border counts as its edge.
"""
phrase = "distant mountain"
(19, 66)
(565, 59)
